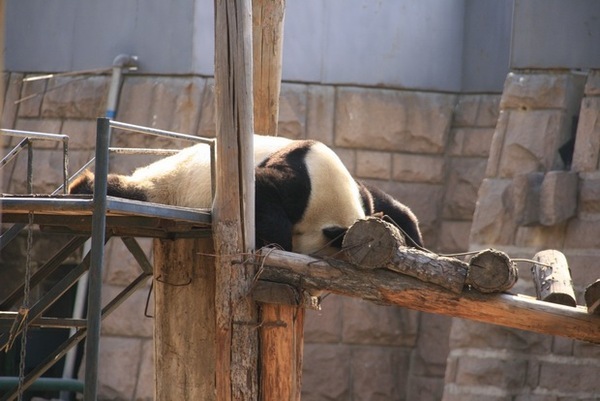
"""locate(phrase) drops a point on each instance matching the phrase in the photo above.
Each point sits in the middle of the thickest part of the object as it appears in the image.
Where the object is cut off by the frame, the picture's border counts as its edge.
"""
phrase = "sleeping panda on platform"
(305, 197)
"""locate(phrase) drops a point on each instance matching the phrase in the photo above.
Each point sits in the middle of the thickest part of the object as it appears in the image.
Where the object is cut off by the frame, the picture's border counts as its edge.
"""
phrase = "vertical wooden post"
(184, 319)
(236, 367)
(267, 41)
(282, 329)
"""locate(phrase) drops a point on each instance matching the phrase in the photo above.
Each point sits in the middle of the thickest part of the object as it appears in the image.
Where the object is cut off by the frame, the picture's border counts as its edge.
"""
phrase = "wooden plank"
(282, 334)
(236, 320)
(184, 317)
(385, 287)
(280, 344)
(267, 40)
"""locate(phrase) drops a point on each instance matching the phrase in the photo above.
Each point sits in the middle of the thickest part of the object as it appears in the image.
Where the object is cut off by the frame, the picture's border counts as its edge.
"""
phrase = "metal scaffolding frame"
(100, 218)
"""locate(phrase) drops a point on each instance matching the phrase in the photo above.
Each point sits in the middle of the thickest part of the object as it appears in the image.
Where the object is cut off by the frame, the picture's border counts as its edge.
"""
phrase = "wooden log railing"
(386, 287)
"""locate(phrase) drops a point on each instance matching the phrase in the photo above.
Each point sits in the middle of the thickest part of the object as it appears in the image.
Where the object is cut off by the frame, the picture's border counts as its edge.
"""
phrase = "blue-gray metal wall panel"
(441, 45)
(556, 34)
(66, 35)
(398, 43)
(486, 44)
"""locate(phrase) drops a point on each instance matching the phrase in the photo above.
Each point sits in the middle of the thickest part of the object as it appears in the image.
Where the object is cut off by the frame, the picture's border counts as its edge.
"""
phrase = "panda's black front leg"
(273, 227)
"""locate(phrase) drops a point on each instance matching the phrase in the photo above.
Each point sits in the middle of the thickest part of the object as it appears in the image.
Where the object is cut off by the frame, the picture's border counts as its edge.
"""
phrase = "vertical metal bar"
(213, 168)
(92, 345)
(84, 167)
(113, 92)
(65, 166)
(29, 167)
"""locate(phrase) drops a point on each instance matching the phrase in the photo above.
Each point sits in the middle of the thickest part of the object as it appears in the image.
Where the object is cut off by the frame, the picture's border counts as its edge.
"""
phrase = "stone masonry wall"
(427, 149)
(533, 199)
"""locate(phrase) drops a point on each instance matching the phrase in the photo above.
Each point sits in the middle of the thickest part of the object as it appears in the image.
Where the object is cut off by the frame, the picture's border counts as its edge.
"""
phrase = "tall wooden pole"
(282, 328)
(236, 371)
(267, 36)
(184, 319)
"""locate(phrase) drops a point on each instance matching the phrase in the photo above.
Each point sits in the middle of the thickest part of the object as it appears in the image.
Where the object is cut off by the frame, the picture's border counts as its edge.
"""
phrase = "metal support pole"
(92, 345)
(29, 167)
(65, 167)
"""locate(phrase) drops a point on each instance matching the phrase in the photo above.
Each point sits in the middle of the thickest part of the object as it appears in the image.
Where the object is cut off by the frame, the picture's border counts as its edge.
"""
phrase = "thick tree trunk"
(236, 365)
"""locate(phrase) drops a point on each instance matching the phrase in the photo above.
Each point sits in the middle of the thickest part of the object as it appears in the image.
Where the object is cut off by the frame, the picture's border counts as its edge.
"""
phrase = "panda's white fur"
(182, 179)
(303, 191)
(332, 202)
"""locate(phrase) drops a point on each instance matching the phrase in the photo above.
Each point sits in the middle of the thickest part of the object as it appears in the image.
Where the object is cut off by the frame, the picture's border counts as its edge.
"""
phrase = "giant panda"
(305, 197)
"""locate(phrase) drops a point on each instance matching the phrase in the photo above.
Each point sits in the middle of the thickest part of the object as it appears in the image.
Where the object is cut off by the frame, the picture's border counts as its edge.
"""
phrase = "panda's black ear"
(335, 234)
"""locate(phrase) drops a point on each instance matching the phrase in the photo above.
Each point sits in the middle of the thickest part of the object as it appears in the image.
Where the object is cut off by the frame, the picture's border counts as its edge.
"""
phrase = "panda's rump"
(334, 200)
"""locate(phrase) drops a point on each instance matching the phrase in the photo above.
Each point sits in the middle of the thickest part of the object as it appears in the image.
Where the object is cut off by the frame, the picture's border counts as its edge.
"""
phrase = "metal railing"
(29, 137)
(98, 230)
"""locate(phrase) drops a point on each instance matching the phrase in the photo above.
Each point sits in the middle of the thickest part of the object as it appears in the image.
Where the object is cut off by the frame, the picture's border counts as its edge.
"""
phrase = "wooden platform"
(73, 214)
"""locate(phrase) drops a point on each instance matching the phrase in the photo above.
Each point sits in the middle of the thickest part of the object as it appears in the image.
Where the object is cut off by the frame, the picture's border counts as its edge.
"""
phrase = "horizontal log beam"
(389, 288)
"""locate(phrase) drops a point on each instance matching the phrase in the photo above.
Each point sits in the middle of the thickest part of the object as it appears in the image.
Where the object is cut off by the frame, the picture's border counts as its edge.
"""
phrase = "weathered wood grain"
(389, 288)
(267, 42)
(552, 278)
(184, 319)
(236, 373)
(374, 243)
(280, 344)
(492, 271)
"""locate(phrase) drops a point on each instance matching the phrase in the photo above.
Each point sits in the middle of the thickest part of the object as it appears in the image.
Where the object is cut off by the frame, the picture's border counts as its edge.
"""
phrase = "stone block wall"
(539, 192)
(429, 150)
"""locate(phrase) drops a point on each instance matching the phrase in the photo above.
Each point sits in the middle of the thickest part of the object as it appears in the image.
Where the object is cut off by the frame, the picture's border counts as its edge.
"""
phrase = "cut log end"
(552, 278)
(592, 298)
(372, 242)
(491, 271)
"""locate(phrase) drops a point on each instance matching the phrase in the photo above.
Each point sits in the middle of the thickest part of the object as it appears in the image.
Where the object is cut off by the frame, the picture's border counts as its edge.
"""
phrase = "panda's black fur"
(286, 193)
(303, 198)
(376, 201)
